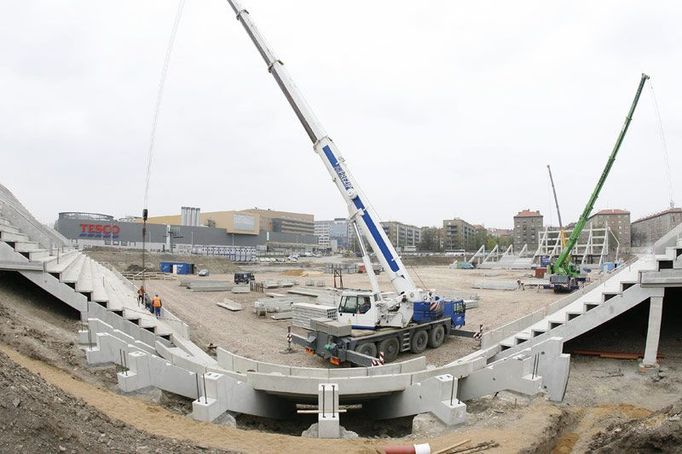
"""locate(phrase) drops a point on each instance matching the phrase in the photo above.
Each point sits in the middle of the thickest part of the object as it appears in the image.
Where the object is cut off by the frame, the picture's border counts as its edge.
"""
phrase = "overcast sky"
(442, 109)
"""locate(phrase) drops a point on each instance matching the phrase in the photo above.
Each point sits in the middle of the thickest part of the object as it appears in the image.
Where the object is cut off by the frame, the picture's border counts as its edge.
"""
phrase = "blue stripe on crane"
(369, 222)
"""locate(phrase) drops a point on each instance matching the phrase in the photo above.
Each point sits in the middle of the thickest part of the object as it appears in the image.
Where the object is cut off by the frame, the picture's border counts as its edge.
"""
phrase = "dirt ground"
(64, 403)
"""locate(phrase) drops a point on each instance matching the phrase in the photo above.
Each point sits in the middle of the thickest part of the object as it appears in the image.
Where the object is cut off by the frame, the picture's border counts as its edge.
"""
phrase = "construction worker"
(156, 304)
(140, 295)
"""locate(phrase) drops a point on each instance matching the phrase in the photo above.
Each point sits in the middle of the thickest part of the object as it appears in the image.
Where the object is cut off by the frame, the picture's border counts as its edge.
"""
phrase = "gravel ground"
(263, 338)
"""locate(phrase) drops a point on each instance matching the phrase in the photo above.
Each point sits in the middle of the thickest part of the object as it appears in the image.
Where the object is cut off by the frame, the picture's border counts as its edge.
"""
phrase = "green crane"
(563, 272)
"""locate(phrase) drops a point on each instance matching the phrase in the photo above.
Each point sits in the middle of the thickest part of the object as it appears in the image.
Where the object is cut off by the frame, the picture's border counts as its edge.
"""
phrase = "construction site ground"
(263, 338)
(54, 402)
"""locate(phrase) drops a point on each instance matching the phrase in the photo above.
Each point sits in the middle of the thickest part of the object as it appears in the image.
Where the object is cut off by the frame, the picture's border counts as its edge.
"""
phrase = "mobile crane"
(412, 320)
(564, 275)
(562, 234)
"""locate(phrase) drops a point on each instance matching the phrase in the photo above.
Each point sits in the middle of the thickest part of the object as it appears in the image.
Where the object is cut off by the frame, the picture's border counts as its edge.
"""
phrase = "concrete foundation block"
(328, 427)
(138, 374)
(328, 424)
(451, 413)
(206, 409)
(213, 400)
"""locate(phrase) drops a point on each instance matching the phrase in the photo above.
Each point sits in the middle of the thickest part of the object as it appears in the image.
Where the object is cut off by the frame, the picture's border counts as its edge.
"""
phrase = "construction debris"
(241, 289)
(209, 286)
(230, 305)
(496, 285)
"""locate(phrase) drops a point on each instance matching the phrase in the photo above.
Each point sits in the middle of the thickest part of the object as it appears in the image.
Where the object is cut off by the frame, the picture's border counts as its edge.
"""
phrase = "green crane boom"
(562, 264)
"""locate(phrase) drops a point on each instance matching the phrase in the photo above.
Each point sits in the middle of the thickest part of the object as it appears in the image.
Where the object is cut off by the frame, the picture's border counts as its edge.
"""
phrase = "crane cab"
(358, 309)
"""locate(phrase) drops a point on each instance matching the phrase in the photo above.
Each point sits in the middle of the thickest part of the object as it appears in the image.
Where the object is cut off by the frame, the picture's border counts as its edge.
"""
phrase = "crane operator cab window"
(355, 304)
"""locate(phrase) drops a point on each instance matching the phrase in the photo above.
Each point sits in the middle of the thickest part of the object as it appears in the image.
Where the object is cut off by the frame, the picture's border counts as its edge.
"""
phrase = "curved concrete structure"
(525, 356)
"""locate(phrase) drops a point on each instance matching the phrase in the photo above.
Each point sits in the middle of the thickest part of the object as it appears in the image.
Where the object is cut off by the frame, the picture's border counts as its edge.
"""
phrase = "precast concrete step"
(535, 332)
(589, 305)
(71, 273)
(605, 296)
(99, 295)
(10, 237)
(61, 263)
(4, 221)
(85, 283)
(9, 229)
(26, 246)
(38, 254)
(570, 315)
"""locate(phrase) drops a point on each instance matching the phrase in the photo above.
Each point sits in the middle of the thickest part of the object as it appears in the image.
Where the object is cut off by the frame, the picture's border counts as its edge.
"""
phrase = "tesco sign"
(99, 231)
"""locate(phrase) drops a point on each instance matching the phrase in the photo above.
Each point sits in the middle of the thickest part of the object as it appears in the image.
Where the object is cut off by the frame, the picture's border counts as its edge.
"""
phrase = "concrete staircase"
(70, 275)
(645, 278)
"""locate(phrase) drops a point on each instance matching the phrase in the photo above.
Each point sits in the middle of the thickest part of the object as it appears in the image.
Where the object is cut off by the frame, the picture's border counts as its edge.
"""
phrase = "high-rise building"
(458, 234)
(647, 230)
(333, 235)
(404, 237)
(527, 225)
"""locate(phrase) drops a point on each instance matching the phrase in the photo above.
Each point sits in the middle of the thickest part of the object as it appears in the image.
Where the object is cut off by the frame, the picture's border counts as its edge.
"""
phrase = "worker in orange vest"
(156, 304)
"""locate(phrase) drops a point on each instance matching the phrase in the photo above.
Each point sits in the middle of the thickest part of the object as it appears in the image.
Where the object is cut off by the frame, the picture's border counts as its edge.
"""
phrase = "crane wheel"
(391, 348)
(437, 336)
(420, 339)
(367, 348)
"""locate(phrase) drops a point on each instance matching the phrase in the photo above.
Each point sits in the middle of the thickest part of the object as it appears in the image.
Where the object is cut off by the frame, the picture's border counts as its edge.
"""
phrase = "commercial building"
(527, 225)
(458, 234)
(280, 231)
(647, 230)
(234, 234)
(617, 223)
(404, 237)
(334, 235)
(95, 229)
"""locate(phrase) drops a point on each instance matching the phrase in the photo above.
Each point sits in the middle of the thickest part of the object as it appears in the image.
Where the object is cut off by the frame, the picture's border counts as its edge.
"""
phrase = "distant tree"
(431, 240)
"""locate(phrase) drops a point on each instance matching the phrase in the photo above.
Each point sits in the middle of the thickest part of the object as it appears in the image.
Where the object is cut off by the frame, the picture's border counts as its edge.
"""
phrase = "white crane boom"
(359, 210)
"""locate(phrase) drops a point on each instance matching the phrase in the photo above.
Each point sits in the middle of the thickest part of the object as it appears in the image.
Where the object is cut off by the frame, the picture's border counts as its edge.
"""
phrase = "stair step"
(38, 254)
(13, 237)
(9, 229)
(608, 295)
(26, 246)
(590, 306)
(61, 263)
(555, 324)
(98, 293)
(573, 314)
(626, 285)
(84, 283)
(71, 273)
(665, 265)
(5, 222)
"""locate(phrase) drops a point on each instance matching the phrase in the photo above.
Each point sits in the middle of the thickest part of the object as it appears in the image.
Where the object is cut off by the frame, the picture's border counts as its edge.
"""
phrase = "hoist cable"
(155, 122)
(666, 156)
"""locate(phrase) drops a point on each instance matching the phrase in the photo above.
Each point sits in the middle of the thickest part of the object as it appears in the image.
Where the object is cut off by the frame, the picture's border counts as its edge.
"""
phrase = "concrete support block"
(328, 424)
(212, 401)
(436, 395)
(553, 366)
(138, 375)
(653, 332)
